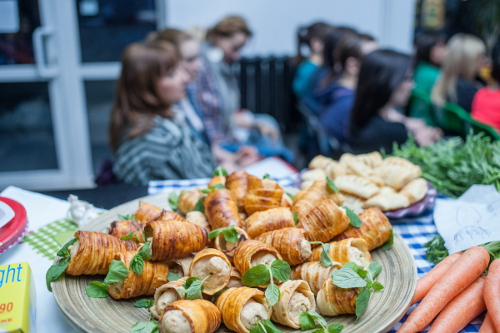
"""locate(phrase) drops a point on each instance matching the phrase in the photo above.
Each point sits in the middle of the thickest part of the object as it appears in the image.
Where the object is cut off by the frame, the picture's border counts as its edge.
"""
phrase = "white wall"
(275, 22)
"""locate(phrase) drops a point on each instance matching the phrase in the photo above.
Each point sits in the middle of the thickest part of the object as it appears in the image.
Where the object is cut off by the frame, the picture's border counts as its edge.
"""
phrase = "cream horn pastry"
(291, 243)
(188, 200)
(166, 295)
(180, 266)
(324, 221)
(347, 250)
(123, 228)
(154, 275)
(213, 265)
(147, 212)
(199, 219)
(217, 180)
(269, 220)
(167, 215)
(263, 194)
(296, 297)
(93, 252)
(237, 183)
(242, 308)
(174, 239)
(196, 316)
(221, 209)
(235, 280)
(375, 229)
(313, 196)
(228, 248)
(314, 273)
(252, 253)
(334, 301)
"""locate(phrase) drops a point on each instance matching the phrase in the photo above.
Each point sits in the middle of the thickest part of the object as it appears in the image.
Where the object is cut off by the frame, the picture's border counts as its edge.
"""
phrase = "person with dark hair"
(384, 84)
(310, 37)
(149, 136)
(486, 103)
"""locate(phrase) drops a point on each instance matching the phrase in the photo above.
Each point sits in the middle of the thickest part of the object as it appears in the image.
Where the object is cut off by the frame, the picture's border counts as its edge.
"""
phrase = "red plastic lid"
(14, 231)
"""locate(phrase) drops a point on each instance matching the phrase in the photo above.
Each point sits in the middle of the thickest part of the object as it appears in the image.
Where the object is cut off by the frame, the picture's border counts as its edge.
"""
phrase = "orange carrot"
(492, 293)
(461, 274)
(487, 326)
(461, 310)
(429, 280)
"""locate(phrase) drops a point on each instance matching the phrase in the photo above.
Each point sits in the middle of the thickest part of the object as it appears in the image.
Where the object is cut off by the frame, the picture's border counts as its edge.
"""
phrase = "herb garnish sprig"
(307, 323)
(325, 257)
(230, 234)
(57, 270)
(117, 272)
(264, 326)
(193, 288)
(262, 274)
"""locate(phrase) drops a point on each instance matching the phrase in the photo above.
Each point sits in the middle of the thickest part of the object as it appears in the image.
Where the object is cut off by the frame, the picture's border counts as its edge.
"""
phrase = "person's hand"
(414, 124)
(427, 135)
(247, 155)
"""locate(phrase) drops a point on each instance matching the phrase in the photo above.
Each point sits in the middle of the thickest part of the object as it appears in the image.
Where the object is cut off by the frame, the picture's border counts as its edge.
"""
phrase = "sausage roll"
(123, 228)
(188, 200)
(348, 250)
(237, 183)
(221, 209)
(314, 273)
(375, 229)
(196, 316)
(174, 239)
(252, 253)
(166, 295)
(296, 297)
(263, 194)
(242, 308)
(324, 222)
(93, 252)
(269, 220)
(214, 264)
(147, 212)
(291, 243)
(317, 193)
(228, 248)
(334, 301)
(154, 275)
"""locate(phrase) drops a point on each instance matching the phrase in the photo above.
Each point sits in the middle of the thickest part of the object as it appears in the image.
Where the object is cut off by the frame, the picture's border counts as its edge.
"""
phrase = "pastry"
(196, 316)
(334, 301)
(296, 297)
(314, 273)
(213, 265)
(310, 198)
(415, 190)
(263, 194)
(348, 250)
(237, 183)
(358, 186)
(221, 209)
(269, 220)
(387, 202)
(188, 200)
(166, 295)
(324, 222)
(290, 243)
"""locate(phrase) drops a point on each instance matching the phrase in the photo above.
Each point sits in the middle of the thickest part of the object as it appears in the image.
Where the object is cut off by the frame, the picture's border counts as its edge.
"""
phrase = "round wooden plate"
(386, 307)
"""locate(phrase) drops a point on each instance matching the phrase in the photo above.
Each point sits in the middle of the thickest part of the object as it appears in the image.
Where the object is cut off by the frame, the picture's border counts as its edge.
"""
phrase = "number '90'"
(6, 307)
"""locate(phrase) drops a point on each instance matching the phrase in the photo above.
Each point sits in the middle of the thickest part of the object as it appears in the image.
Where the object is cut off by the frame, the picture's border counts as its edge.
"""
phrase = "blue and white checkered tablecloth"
(416, 231)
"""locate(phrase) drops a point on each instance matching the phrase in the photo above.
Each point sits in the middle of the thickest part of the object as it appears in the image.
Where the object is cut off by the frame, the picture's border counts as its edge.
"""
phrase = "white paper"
(9, 17)
(275, 167)
(470, 220)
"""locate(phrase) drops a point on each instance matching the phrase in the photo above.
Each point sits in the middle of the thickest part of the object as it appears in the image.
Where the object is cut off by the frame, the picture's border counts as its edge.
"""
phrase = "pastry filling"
(263, 258)
(298, 303)
(304, 248)
(252, 312)
(167, 298)
(357, 257)
(73, 249)
(173, 321)
(215, 267)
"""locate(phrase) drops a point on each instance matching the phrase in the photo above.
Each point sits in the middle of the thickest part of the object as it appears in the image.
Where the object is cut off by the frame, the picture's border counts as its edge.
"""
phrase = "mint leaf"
(353, 218)
(128, 236)
(117, 272)
(220, 171)
(96, 289)
(137, 264)
(64, 252)
(362, 302)
(193, 288)
(374, 268)
(269, 326)
(295, 218)
(325, 258)
(273, 294)
(319, 330)
(281, 270)
(266, 176)
(351, 265)
(144, 303)
(347, 278)
(173, 201)
(306, 322)
(200, 207)
(217, 186)
(215, 233)
(173, 277)
(230, 234)
(258, 328)
(145, 327)
(256, 276)
(331, 185)
(129, 217)
(362, 273)
(55, 271)
(318, 317)
(144, 253)
(389, 243)
(377, 286)
(335, 328)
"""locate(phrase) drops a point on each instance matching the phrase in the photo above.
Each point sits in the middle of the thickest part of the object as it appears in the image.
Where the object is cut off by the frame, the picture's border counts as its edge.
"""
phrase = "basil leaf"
(230, 234)
(144, 253)
(145, 327)
(217, 186)
(362, 273)
(200, 207)
(335, 328)
(281, 270)
(190, 281)
(173, 201)
(331, 185)
(347, 278)
(129, 217)
(353, 218)
(273, 294)
(318, 317)
(215, 233)
(389, 243)
(377, 286)
(325, 258)
(351, 265)
(195, 290)
(128, 236)
(295, 218)
(269, 326)
(117, 272)
(173, 277)
(306, 322)
(137, 264)
(144, 303)
(256, 276)
(55, 271)
(290, 195)
(319, 330)
(220, 171)
(96, 289)
(374, 268)
(266, 176)
(64, 252)
(362, 302)
(258, 328)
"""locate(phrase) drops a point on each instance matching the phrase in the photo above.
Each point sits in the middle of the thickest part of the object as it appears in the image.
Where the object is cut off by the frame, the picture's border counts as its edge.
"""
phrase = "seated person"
(150, 138)
(384, 84)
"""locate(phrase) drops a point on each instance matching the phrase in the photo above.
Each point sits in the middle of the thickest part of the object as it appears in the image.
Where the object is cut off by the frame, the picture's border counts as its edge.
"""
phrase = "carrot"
(429, 280)
(487, 326)
(461, 274)
(492, 293)
(461, 310)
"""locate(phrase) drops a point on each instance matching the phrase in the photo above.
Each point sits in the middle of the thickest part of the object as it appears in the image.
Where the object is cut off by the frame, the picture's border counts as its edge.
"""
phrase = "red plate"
(14, 231)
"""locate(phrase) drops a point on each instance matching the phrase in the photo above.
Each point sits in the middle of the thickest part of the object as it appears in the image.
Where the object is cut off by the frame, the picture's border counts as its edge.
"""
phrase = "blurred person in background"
(384, 84)
(459, 82)
(151, 139)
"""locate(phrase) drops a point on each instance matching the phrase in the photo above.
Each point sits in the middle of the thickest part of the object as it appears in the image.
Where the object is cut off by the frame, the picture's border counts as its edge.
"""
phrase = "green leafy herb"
(331, 185)
(362, 302)
(212, 188)
(142, 254)
(193, 288)
(220, 171)
(173, 277)
(264, 326)
(295, 218)
(129, 217)
(290, 195)
(256, 276)
(353, 218)
(377, 286)
(351, 265)
(281, 270)
(261, 274)
(230, 234)
(266, 176)
(374, 268)
(347, 278)
(307, 319)
(273, 294)
(55, 271)
(64, 252)
(129, 236)
(436, 251)
(389, 243)
(173, 201)
(97, 289)
(117, 272)
(493, 249)
(335, 328)
(145, 327)
(217, 294)
(144, 303)
(200, 207)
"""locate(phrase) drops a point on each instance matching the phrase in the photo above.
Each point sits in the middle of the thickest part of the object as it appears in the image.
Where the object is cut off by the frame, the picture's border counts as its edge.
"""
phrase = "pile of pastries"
(270, 225)
(368, 180)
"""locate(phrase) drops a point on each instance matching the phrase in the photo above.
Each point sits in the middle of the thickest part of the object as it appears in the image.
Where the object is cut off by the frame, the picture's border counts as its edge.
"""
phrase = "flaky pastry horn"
(344, 251)
(217, 180)
(235, 280)
(313, 196)
(199, 219)
(167, 215)
(196, 316)
(334, 301)
(228, 248)
(263, 194)
(252, 253)
(93, 252)
(180, 266)
(375, 229)
(154, 275)
(221, 209)
(314, 273)
(123, 228)
(291, 243)
(166, 295)
(286, 201)
(188, 200)
(237, 183)
(147, 212)
(324, 221)
(242, 308)
(296, 297)
(214, 264)
(174, 239)
(269, 220)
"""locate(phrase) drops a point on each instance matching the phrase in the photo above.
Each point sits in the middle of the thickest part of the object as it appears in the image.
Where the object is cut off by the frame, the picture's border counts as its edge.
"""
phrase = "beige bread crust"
(283, 310)
(314, 273)
(203, 316)
(269, 220)
(324, 222)
(288, 242)
(221, 209)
